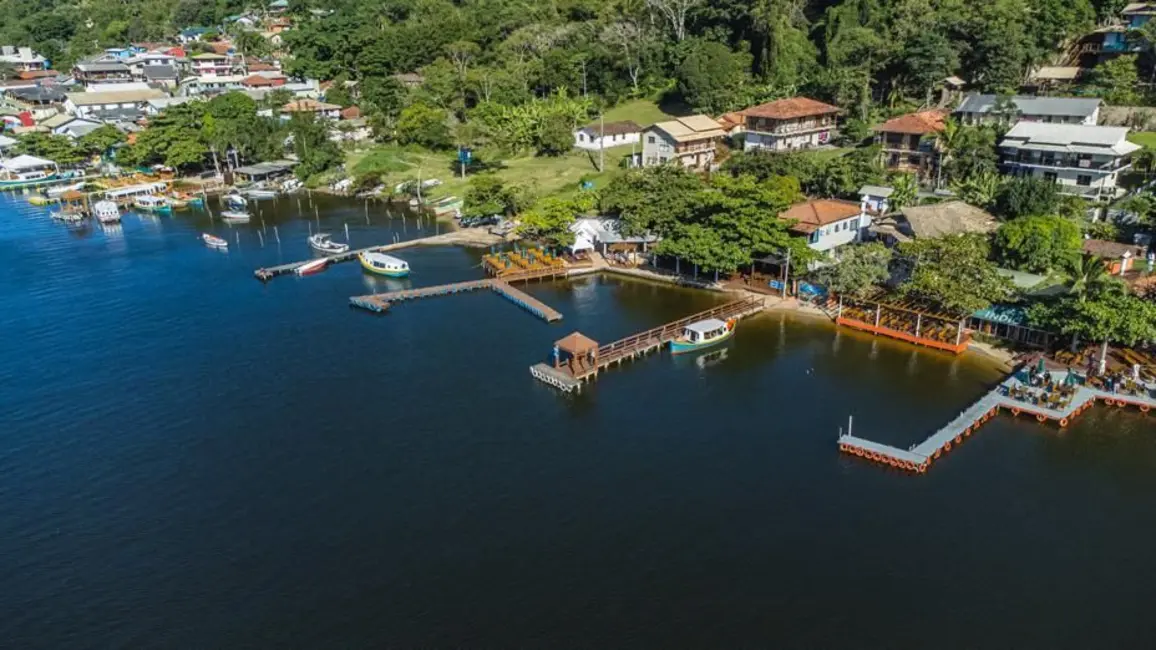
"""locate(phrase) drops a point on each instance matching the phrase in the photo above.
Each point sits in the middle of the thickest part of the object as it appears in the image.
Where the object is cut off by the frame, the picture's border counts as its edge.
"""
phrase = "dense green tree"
(1110, 317)
(550, 220)
(101, 140)
(1025, 197)
(57, 148)
(652, 199)
(859, 272)
(1116, 80)
(488, 195)
(711, 76)
(426, 125)
(1037, 244)
(954, 273)
(316, 153)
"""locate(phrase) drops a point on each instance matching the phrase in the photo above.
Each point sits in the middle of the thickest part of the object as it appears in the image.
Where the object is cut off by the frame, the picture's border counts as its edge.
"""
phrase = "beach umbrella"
(1040, 367)
(1070, 379)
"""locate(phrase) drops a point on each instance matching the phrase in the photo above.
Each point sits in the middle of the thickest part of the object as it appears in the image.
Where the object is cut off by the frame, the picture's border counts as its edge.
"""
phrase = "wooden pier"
(587, 358)
(919, 457)
(380, 302)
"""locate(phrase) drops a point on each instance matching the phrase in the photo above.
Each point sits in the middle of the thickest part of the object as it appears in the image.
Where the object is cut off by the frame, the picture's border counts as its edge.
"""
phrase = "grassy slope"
(550, 176)
(1145, 139)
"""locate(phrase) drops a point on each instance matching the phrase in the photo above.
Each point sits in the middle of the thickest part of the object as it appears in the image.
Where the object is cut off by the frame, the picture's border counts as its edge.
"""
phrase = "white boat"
(323, 244)
(106, 212)
(261, 194)
(213, 241)
(152, 203)
(56, 192)
(315, 266)
(235, 200)
(234, 215)
(291, 185)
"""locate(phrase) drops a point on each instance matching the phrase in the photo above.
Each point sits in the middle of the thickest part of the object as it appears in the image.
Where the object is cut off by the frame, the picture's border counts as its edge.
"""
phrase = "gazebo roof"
(576, 343)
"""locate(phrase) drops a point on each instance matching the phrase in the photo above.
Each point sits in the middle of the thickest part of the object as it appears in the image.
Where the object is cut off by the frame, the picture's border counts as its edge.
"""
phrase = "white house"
(114, 102)
(211, 64)
(599, 233)
(610, 134)
(68, 125)
(875, 199)
(689, 141)
(22, 59)
(827, 223)
(987, 109)
(1082, 160)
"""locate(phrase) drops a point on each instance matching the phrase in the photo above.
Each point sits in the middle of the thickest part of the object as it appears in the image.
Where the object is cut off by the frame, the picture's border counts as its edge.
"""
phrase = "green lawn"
(547, 175)
(642, 112)
(1146, 139)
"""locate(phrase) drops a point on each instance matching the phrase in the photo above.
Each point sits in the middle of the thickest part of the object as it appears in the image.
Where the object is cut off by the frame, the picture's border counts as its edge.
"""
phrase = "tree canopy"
(954, 273)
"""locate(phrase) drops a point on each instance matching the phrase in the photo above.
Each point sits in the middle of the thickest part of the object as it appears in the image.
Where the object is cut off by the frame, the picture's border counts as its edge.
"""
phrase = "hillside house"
(993, 109)
(1135, 14)
(610, 134)
(319, 110)
(907, 143)
(1083, 160)
(101, 70)
(211, 64)
(112, 105)
(827, 223)
(22, 59)
(787, 124)
(688, 141)
(1119, 258)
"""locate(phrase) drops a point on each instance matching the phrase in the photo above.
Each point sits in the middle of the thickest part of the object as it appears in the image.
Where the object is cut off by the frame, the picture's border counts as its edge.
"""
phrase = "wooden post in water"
(261, 238)
(277, 234)
(347, 233)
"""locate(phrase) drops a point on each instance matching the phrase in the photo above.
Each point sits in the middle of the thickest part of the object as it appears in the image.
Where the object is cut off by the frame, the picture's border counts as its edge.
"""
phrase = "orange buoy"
(1063, 422)
(1015, 411)
(1144, 409)
(947, 446)
(959, 439)
(1120, 402)
(936, 454)
(1040, 418)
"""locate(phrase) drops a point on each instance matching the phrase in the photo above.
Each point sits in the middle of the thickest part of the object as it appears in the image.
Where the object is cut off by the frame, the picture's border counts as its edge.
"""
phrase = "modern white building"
(102, 104)
(611, 134)
(1083, 160)
(601, 233)
(989, 109)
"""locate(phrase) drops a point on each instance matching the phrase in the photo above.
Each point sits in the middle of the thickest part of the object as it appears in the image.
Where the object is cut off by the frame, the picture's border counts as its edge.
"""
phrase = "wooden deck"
(570, 376)
(919, 457)
(380, 302)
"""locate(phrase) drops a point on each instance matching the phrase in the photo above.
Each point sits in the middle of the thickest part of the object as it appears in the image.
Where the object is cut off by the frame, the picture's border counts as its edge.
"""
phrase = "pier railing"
(663, 333)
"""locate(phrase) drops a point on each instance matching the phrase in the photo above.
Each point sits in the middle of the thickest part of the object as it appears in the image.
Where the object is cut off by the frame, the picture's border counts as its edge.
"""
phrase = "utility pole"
(601, 142)
(786, 272)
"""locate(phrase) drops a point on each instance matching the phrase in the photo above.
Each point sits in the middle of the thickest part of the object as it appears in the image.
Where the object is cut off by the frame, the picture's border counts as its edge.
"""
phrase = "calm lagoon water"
(189, 458)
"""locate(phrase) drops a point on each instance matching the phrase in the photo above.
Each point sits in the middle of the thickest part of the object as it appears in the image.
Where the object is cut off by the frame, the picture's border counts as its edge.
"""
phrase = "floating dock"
(589, 358)
(920, 457)
(380, 302)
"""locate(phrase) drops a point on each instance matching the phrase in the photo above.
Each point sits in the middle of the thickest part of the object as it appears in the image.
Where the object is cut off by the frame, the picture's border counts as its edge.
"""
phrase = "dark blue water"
(189, 458)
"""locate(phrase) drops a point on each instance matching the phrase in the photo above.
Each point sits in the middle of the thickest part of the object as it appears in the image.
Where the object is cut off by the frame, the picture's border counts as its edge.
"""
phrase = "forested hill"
(722, 54)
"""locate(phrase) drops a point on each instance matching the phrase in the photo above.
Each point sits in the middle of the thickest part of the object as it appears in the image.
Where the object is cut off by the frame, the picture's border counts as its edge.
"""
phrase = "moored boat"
(214, 241)
(702, 334)
(447, 205)
(235, 215)
(383, 264)
(315, 266)
(152, 203)
(234, 200)
(322, 243)
(106, 212)
(261, 193)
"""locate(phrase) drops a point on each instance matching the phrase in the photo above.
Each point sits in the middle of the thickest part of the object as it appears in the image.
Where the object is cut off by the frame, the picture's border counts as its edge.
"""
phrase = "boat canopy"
(26, 162)
(387, 260)
(705, 326)
(133, 190)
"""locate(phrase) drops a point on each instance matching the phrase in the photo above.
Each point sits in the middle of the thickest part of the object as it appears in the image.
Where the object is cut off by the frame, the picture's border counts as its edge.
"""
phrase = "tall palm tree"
(1090, 277)
(906, 191)
(947, 141)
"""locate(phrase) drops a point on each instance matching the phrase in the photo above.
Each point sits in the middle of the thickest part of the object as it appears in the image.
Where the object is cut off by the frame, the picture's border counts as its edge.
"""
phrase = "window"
(650, 139)
(1084, 179)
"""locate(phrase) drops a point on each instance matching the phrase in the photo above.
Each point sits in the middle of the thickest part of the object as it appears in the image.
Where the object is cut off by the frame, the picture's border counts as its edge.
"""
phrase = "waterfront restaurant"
(264, 171)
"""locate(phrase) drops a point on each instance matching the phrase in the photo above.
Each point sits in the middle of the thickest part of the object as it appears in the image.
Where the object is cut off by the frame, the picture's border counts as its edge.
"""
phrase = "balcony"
(768, 127)
(1065, 162)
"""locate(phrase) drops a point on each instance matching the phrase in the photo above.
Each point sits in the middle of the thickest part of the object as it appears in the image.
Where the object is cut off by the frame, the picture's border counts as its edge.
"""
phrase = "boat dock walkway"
(919, 457)
(569, 377)
(454, 237)
(380, 302)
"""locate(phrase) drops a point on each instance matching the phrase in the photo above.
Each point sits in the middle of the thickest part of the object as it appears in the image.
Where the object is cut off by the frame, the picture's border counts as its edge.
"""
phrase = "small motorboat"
(235, 215)
(106, 212)
(323, 244)
(214, 241)
(261, 194)
(383, 264)
(152, 203)
(315, 266)
(60, 190)
(235, 201)
(178, 204)
(702, 334)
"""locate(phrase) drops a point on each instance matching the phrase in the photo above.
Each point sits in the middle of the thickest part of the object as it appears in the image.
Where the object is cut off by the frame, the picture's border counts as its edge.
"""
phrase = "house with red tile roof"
(908, 143)
(788, 124)
(827, 223)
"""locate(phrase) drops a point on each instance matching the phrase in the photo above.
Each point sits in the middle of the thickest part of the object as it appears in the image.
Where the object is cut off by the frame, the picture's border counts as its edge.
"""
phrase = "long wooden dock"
(919, 457)
(380, 302)
(570, 377)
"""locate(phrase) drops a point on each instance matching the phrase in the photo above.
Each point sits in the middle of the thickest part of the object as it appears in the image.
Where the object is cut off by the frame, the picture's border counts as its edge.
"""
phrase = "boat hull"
(679, 346)
(389, 273)
(313, 267)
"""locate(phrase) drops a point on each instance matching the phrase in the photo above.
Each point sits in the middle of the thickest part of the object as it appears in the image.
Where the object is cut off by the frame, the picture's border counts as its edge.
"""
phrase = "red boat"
(309, 268)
